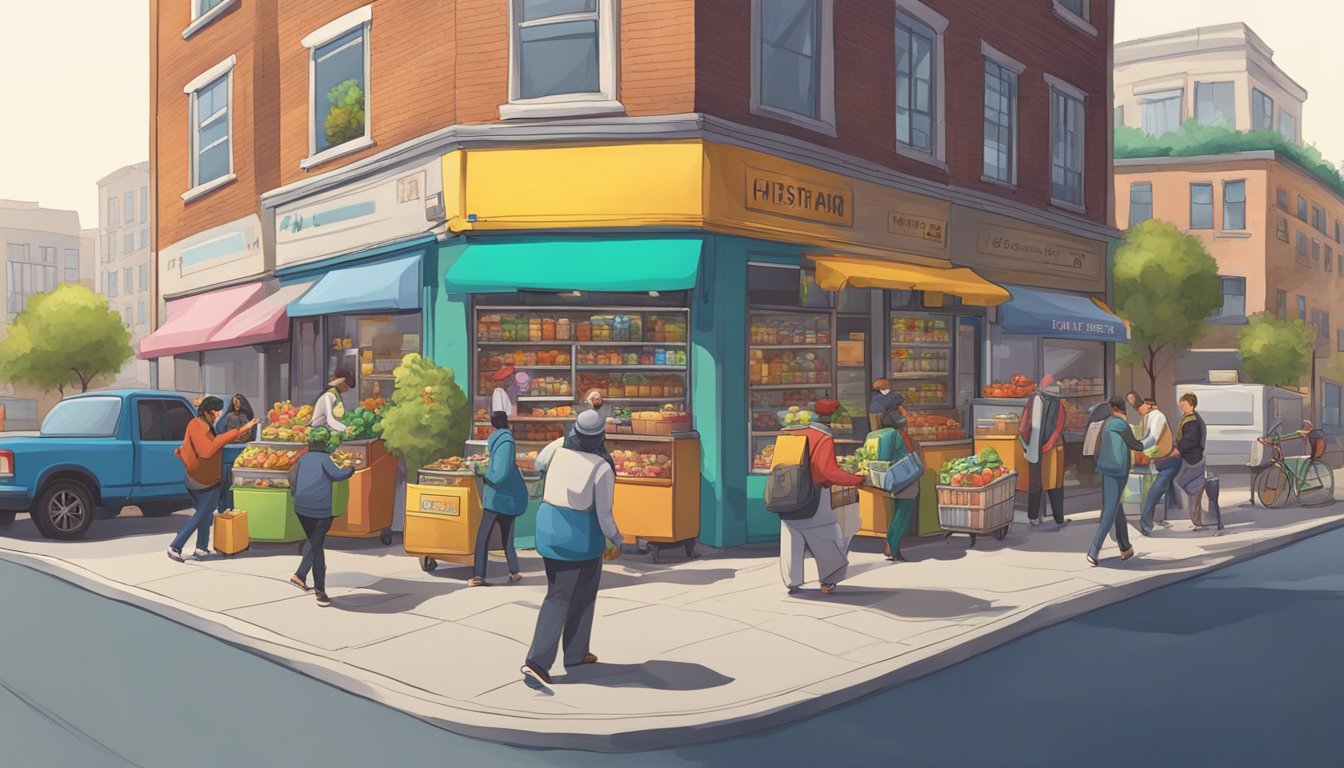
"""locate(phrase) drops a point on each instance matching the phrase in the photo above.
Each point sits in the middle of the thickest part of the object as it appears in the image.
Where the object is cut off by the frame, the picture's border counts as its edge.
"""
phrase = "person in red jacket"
(201, 451)
(819, 534)
(1042, 431)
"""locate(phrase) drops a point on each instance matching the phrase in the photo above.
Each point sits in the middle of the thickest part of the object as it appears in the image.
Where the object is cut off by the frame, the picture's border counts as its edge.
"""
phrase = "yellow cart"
(659, 509)
(443, 515)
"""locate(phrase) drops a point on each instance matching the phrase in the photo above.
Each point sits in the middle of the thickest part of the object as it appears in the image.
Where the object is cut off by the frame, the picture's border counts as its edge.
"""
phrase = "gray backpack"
(789, 490)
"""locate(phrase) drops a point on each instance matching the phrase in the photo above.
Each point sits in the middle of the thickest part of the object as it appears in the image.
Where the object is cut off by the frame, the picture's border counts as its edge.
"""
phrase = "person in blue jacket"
(503, 499)
(1113, 462)
(310, 481)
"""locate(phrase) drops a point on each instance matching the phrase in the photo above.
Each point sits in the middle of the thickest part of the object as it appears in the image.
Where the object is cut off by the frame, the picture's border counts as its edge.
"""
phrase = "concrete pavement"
(691, 650)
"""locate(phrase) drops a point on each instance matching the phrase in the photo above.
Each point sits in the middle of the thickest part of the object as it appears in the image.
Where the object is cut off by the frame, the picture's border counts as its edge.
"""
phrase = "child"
(310, 481)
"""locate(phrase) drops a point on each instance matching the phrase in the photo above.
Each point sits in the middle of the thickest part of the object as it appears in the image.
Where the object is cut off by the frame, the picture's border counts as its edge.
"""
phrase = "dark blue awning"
(1057, 315)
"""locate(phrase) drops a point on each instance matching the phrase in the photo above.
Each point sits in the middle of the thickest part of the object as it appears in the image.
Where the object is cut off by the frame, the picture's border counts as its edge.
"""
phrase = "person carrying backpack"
(311, 481)
(1113, 457)
(798, 491)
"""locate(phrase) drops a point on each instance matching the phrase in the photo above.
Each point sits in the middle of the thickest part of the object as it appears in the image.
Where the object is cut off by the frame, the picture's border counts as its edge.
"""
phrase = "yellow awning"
(835, 272)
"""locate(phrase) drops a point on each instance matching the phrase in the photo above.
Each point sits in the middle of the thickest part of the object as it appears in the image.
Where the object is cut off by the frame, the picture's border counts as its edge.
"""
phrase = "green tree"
(428, 416)
(1165, 284)
(1275, 351)
(65, 338)
(345, 113)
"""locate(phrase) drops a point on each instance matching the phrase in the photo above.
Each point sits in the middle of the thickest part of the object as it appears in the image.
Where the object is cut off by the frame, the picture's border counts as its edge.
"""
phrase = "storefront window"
(309, 365)
(227, 372)
(922, 367)
(187, 373)
(371, 347)
(1010, 356)
(783, 286)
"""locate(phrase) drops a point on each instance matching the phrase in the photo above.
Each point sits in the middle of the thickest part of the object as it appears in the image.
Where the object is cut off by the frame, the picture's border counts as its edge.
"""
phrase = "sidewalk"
(692, 651)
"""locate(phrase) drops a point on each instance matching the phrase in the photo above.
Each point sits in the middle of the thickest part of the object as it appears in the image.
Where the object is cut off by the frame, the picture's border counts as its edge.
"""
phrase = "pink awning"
(260, 323)
(194, 319)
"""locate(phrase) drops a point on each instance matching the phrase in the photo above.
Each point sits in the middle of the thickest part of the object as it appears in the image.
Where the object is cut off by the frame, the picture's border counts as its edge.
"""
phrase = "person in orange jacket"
(202, 453)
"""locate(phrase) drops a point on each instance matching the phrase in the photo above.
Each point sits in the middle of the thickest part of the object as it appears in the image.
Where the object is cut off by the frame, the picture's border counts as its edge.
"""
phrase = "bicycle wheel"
(1317, 485)
(1272, 487)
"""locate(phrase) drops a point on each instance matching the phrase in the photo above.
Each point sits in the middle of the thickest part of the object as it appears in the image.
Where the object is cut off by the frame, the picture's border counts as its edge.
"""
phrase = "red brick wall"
(865, 65)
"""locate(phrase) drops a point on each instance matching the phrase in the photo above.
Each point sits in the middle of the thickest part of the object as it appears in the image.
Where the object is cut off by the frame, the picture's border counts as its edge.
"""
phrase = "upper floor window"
(128, 241)
(1234, 298)
(1281, 229)
(1302, 208)
(563, 58)
(203, 12)
(1215, 104)
(128, 206)
(1281, 304)
(1262, 111)
(1066, 143)
(211, 129)
(203, 6)
(1118, 115)
(1201, 205)
(1318, 218)
(1001, 119)
(1161, 111)
(71, 265)
(1076, 7)
(1234, 205)
(113, 219)
(1302, 308)
(915, 83)
(1339, 230)
(1281, 198)
(338, 67)
(1288, 125)
(1140, 202)
(793, 72)
(144, 204)
(1301, 250)
(1076, 13)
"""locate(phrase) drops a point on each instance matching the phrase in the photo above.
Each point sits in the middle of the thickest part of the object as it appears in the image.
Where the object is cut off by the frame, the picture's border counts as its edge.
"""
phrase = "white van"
(1237, 414)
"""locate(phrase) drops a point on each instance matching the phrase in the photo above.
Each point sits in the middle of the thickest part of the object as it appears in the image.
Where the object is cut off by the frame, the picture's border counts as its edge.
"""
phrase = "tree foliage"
(1193, 139)
(345, 113)
(428, 417)
(1276, 352)
(65, 338)
(1165, 285)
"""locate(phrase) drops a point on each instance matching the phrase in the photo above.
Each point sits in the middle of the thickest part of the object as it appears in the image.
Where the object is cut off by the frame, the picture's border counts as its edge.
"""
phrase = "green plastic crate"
(270, 514)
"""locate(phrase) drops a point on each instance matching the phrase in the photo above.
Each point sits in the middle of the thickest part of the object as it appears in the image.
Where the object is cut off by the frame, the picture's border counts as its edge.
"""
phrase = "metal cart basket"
(978, 511)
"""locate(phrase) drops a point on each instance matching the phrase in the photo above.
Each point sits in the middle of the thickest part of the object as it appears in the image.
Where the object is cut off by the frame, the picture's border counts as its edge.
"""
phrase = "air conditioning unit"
(1223, 377)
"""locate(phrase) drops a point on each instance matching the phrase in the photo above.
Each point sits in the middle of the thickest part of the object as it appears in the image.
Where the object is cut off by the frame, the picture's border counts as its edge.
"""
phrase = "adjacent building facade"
(124, 261)
(713, 209)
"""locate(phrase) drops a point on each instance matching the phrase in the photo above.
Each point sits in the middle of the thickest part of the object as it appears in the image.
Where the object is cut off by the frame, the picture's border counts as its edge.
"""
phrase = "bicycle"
(1307, 478)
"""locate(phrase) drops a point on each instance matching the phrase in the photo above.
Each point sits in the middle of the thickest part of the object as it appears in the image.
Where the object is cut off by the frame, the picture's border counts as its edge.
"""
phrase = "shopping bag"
(897, 475)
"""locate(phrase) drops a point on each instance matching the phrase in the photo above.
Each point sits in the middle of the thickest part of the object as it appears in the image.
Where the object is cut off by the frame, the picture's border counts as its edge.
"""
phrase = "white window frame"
(1082, 23)
(360, 17)
(938, 23)
(201, 20)
(1074, 92)
(1016, 67)
(603, 102)
(825, 122)
(222, 69)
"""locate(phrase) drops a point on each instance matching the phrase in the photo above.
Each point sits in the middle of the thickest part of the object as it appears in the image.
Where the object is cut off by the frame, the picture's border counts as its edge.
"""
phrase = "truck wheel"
(64, 511)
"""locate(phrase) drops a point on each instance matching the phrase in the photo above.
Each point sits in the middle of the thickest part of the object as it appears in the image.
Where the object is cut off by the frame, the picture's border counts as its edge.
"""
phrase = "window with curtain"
(790, 46)
(1234, 205)
(1201, 205)
(1234, 298)
(1262, 111)
(915, 95)
(1161, 112)
(1215, 104)
(1066, 156)
(1140, 202)
(1000, 119)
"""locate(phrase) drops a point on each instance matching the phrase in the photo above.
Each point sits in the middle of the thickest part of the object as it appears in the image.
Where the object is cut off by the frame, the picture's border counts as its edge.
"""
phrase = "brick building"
(399, 176)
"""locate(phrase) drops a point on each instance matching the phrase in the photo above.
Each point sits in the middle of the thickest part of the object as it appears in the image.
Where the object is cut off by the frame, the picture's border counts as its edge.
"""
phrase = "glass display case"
(924, 363)
(639, 359)
(789, 368)
(371, 348)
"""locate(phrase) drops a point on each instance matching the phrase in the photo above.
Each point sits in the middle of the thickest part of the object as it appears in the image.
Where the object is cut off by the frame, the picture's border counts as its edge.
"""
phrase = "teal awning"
(384, 286)
(616, 265)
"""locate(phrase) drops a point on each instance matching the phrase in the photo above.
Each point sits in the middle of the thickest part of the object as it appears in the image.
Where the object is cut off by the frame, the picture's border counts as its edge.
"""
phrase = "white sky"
(76, 78)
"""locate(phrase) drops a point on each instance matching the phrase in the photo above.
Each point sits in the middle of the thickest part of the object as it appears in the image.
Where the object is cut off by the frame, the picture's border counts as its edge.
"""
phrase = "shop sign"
(1064, 325)
(218, 255)
(1018, 247)
(918, 227)
(441, 505)
(797, 198)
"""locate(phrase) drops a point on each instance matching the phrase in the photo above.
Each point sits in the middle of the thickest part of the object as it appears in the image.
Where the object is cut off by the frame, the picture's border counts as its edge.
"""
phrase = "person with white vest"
(575, 532)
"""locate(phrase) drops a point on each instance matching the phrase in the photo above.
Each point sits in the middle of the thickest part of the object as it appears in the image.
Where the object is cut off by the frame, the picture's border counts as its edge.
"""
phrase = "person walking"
(1041, 432)
(503, 499)
(330, 409)
(819, 534)
(238, 414)
(311, 480)
(1117, 440)
(1159, 445)
(575, 533)
(1192, 434)
(904, 508)
(201, 452)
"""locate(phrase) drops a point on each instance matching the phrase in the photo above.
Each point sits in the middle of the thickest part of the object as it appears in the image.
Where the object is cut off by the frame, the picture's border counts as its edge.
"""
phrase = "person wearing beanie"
(1041, 431)
(575, 533)
(202, 451)
(820, 534)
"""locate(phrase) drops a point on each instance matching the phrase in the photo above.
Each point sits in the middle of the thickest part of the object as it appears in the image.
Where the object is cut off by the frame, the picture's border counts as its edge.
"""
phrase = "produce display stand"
(265, 495)
(657, 498)
(372, 490)
(443, 515)
(978, 511)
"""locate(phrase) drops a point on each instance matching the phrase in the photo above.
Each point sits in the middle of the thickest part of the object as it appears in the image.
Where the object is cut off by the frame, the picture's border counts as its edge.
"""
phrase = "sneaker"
(535, 676)
(322, 598)
(175, 554)
(200, 554)
(1034, 522)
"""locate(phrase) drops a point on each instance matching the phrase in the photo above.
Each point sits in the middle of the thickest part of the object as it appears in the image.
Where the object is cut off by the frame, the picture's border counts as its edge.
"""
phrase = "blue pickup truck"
(96, 451)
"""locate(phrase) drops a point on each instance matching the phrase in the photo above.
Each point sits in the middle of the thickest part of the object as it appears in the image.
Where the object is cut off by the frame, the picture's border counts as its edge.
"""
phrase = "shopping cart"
(978, 511)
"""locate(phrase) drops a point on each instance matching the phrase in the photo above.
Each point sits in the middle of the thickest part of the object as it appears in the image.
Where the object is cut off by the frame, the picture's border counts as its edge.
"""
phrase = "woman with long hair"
(202, 453)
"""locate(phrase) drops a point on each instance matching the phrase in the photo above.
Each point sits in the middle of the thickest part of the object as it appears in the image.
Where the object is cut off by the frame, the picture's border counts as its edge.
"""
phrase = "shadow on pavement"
(656, 675)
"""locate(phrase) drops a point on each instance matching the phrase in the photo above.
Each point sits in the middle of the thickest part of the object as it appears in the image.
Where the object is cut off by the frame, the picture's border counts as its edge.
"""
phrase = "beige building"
(1221, 75)
(125, 257)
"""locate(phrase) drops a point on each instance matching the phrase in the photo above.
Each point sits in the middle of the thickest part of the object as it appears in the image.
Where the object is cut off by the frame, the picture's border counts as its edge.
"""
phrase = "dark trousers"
(567, 612)
(1034, 484)
(488, 521)
(314, 555)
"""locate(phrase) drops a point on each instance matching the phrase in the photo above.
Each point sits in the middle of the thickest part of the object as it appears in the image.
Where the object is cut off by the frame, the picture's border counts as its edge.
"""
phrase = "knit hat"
(590, 423)
(503, 373)
(827, 407)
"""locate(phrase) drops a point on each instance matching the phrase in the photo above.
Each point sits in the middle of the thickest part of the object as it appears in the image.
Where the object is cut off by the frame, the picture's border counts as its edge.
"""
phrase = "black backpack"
(789, 490)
